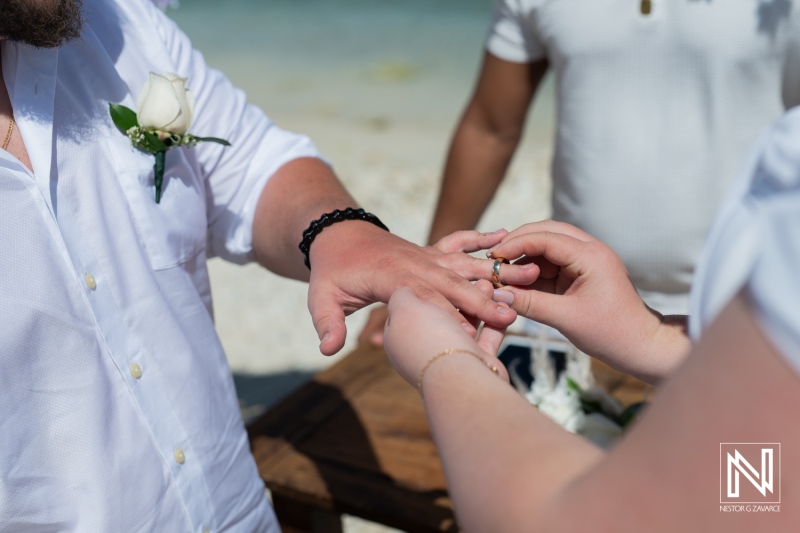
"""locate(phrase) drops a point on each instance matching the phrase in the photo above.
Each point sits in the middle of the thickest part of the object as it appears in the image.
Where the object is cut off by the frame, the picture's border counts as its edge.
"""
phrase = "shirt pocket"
(174, 230)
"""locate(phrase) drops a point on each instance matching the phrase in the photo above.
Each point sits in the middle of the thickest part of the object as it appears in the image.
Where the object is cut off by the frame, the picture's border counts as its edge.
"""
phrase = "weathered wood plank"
(356, 440)
(373, 497)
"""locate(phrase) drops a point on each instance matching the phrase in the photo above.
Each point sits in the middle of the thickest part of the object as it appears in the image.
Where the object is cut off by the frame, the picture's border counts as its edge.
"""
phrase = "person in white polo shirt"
(658, 103)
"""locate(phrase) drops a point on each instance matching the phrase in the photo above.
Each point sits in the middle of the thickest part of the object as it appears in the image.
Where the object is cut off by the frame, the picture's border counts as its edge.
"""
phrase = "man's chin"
(43, 24)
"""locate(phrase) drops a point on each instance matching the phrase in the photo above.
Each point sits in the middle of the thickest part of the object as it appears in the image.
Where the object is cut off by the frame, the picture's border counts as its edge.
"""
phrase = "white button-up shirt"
(118, 411)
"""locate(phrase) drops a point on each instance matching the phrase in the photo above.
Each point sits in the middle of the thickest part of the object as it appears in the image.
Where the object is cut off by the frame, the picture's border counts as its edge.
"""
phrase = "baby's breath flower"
(189, 140)
(136, 135)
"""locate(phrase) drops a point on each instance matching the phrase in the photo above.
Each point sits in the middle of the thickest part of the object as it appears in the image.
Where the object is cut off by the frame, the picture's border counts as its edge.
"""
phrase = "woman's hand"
(584, 291)
(417, 330)
(354, 264)
(456, 243)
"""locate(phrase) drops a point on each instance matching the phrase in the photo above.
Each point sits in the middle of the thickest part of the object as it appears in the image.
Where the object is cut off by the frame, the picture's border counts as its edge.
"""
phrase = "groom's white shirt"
(118, 408)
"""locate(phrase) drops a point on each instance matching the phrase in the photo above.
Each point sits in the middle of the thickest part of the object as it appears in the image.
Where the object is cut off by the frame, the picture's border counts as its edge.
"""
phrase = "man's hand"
(354, 264)
(584, 291)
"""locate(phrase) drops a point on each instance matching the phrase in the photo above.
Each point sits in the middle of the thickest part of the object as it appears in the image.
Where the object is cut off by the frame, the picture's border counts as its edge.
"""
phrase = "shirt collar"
(30, 75)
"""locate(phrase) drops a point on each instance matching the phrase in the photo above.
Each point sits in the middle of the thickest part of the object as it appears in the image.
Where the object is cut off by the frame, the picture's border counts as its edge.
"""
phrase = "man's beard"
(41, 23)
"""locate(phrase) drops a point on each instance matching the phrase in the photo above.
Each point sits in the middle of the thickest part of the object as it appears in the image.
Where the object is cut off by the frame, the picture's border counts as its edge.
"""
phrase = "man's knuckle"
(454, 282)
(426, 293)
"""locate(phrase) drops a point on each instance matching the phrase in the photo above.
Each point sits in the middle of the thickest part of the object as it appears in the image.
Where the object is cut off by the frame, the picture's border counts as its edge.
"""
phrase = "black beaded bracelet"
(316, 227)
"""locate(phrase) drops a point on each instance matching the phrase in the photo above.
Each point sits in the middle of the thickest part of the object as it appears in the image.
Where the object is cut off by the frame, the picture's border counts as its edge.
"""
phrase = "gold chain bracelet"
(448, 352)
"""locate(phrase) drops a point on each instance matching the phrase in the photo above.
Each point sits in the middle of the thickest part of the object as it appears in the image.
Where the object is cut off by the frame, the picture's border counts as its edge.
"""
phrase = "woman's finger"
(490, 339)
(427, 293)
(557, 248)
(546, 307)
(470, 300)
(551, 226)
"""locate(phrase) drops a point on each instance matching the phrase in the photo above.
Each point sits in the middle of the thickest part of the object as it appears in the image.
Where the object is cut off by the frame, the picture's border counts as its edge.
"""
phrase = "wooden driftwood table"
(355, 440)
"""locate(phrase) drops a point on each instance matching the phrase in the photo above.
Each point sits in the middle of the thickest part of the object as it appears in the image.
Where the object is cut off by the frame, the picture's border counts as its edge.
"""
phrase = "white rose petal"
(165, 104)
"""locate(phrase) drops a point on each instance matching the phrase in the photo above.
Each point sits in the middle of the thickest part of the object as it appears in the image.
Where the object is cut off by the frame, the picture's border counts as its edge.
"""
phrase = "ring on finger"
(496, 272)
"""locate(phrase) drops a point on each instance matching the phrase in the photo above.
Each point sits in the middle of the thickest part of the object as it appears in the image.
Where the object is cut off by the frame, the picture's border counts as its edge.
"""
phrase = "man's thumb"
(328, 318)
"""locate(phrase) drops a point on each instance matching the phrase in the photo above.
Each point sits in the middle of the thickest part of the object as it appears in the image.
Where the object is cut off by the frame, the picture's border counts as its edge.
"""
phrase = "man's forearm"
(299, 192)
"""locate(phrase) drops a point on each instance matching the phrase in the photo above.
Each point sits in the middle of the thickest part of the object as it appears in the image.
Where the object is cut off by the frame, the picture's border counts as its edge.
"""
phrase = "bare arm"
(298, 193)
(484, 142)
(354, 263)
(511, 469)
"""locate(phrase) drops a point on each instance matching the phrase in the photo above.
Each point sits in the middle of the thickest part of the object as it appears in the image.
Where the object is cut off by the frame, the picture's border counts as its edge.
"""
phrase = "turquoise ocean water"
(380, 60)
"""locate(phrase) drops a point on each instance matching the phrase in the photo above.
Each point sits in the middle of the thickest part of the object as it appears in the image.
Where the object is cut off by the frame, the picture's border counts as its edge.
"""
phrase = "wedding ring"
(496, 272)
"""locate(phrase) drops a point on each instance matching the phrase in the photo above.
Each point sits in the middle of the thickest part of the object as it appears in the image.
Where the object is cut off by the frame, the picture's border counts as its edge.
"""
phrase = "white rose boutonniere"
(166, 111)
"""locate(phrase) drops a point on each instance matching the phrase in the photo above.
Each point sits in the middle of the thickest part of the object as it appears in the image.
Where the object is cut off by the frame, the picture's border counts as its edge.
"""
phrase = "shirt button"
(180, 457)
(90, 281)
(136, 371)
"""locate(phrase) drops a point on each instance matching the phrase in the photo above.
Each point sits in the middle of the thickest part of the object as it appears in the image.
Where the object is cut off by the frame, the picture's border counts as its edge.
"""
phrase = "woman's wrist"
(656, 351)
(491, 365)
(671, 345)
(458, 364)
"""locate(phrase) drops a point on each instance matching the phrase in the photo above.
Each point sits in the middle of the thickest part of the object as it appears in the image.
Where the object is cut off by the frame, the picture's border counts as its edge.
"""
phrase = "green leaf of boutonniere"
(214, 140)
(124, 118)
(153, 143)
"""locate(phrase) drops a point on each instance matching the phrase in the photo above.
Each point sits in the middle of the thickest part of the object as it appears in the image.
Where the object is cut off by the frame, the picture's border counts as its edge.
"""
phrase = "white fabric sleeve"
(512, 35)
(754, 244)
(790, 89)
(234, 175)
(773, 286)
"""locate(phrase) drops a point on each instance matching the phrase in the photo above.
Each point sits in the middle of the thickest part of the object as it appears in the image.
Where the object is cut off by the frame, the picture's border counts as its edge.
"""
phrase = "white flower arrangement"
(570, 397)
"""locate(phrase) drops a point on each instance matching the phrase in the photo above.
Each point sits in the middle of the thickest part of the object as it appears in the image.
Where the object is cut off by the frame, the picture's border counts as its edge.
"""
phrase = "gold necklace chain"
(8, 134)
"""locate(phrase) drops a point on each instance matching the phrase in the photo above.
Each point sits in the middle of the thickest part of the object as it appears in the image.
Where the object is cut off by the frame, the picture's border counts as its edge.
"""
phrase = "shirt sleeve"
(512, 35)
(754, 244)
(234, 175)
(773, 286)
